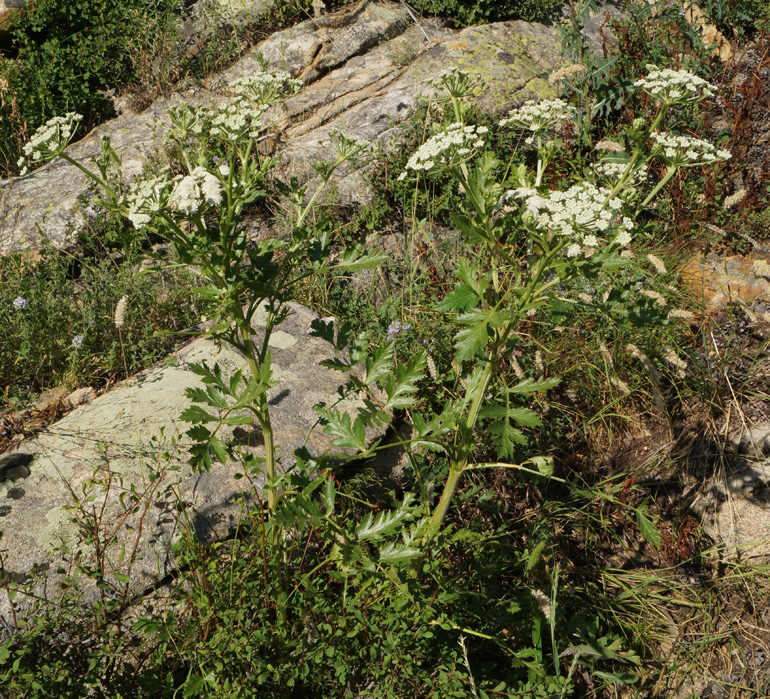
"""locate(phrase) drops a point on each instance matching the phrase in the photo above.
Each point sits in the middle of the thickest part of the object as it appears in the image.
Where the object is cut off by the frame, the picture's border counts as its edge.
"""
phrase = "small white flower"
(77, 341)
(20, 303)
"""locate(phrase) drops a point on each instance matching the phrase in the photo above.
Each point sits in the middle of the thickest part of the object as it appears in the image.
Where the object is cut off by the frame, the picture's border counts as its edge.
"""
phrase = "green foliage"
(68, 53)
(57, 316)
(466, 12)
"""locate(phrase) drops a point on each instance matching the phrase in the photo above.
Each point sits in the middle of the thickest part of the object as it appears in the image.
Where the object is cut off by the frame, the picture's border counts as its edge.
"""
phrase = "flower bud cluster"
(539, 116)
(456, 83)
(49, 140)
(581, 213)
(449, 147)
(194, 191)
(348, 147)
(231, 121)
(685, 151)
(669, 86)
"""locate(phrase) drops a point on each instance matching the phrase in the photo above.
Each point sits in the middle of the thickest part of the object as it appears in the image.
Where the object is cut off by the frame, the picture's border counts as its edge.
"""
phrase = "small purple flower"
(20, 303)
(395, 328)
(77, 341)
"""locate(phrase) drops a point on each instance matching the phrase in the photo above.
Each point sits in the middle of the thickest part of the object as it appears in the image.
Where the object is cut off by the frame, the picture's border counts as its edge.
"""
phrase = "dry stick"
(414, 19)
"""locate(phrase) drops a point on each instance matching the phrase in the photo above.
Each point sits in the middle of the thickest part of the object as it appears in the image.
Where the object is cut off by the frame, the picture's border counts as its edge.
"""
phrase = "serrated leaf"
(343, 431)
(531, 386)
(220, 449)
(505, 436)
(216, 397)
(471, 341)
(394, 553)
(470, 273)
(401, 387)
(461, 298)
(336, 364)
(354, 261)
(196, 394)
(196, 415)
(379, 363)
(198, 433)
(385, 523)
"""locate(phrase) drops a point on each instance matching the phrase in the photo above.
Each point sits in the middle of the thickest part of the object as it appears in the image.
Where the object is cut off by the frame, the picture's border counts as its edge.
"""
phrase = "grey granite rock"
(126, 450)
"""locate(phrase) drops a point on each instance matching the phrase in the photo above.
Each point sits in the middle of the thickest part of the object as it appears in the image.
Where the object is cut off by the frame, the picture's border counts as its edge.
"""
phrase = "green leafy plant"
(318, 553)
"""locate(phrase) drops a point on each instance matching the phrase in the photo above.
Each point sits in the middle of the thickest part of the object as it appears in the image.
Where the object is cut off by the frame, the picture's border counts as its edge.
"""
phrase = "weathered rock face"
(352, 85)
(131, 441)
(736, 508)
(720, 281)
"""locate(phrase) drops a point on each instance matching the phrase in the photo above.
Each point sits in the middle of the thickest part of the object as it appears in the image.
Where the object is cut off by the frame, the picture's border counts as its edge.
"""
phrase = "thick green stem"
(460, 461)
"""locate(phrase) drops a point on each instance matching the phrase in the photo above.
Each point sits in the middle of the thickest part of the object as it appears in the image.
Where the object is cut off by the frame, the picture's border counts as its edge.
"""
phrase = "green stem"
(669, 174)
(458, 463)
(102, 183)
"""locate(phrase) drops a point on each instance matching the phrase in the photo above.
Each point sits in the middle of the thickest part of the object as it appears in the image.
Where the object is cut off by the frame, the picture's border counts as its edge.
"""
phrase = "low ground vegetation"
(558, 391)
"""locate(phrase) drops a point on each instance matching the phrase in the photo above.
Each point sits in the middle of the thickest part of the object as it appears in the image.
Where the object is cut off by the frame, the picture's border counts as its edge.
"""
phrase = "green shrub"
(56, 317)
(466, 12)
(68, 53)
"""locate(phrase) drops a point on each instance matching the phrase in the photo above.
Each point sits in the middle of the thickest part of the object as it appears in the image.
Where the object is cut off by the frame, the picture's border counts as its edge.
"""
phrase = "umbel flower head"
(687, 151)
(582, 213)
(191, 193)
(265, 88)
(669, 86)
(49, 140)
(455, 144)
(539, 116)
(146, 198)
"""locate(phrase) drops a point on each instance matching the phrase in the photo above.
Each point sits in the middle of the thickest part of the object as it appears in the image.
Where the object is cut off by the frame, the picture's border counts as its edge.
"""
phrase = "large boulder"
(123, 457)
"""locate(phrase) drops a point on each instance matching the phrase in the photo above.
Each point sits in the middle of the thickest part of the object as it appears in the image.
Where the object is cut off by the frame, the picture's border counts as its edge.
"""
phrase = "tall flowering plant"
(201, 212)
(528, 247)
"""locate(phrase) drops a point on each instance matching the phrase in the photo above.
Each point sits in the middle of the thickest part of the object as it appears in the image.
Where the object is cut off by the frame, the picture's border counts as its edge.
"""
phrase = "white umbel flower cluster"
(685, 151)
(613, 171)
(453, 145)
(669, 86)
(231, 121)
(49, 140)
(581, 214)
(194, 191)
(539, 116)
(266, 88)
(145, 199)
